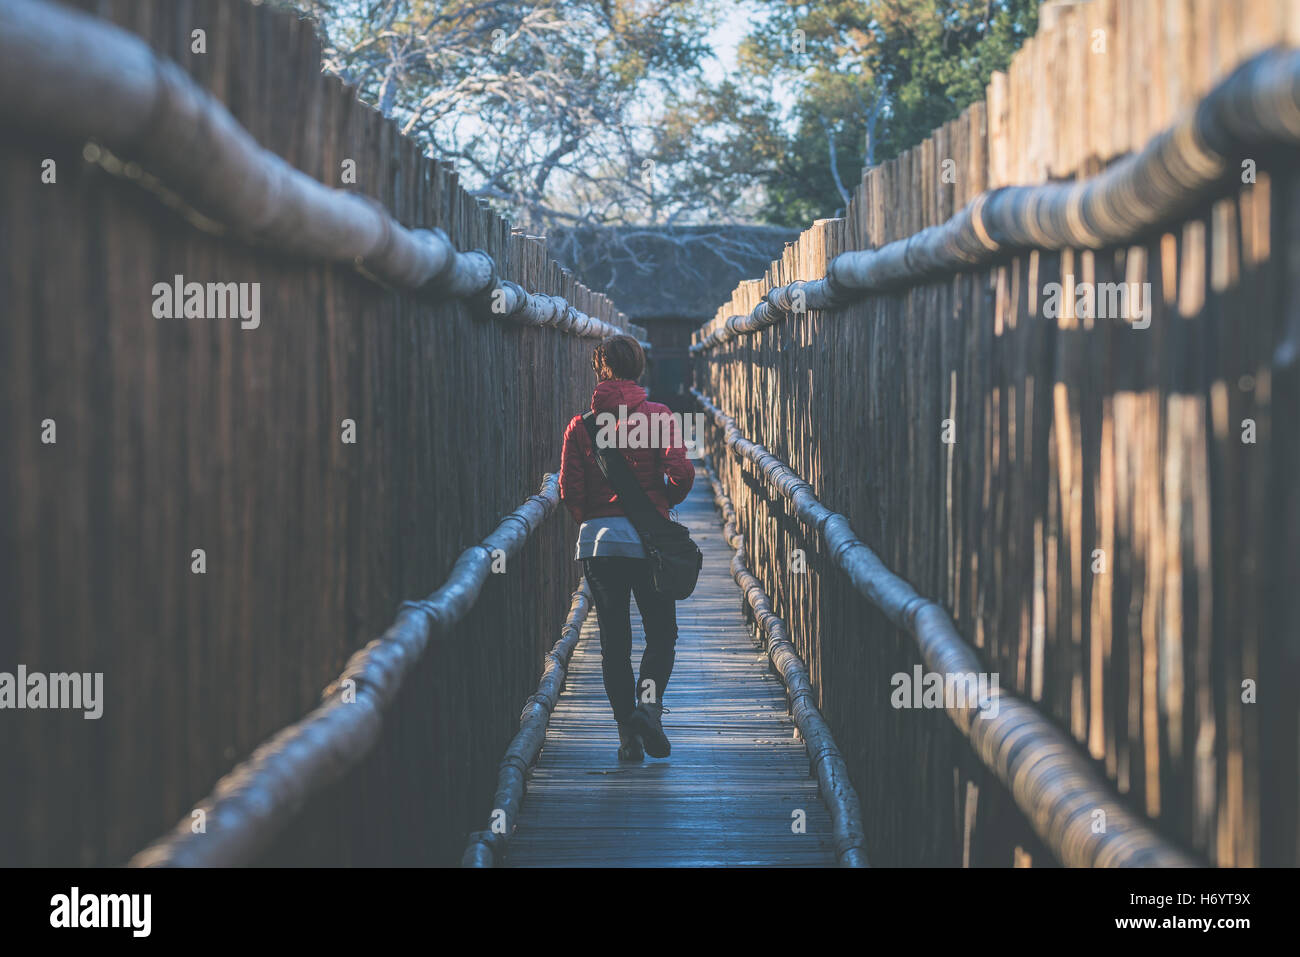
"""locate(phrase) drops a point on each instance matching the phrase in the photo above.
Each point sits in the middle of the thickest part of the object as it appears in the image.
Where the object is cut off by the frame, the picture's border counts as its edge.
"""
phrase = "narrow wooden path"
(728, 793)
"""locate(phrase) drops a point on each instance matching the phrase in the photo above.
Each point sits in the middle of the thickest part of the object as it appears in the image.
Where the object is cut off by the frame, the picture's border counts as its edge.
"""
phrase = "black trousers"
(612, 581)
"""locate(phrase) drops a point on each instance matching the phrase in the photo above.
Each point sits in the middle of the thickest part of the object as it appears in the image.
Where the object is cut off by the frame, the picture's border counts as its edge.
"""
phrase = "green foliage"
(894, 68)
(939, 57)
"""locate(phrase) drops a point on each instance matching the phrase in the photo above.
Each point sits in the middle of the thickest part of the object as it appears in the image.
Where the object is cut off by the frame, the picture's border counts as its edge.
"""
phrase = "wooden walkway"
(728, 793)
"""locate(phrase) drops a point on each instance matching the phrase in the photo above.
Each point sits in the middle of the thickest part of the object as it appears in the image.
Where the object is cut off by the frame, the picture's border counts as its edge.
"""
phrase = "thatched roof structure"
(656, 272)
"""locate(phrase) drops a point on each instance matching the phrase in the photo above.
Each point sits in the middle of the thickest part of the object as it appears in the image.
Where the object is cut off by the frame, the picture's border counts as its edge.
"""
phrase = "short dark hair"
(621, 356)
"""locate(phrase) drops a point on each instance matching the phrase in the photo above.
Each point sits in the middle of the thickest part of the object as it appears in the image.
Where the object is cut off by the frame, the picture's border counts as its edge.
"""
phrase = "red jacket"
(583, 488)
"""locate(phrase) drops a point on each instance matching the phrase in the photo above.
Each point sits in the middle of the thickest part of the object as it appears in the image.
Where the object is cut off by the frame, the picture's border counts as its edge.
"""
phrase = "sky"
(733, 23)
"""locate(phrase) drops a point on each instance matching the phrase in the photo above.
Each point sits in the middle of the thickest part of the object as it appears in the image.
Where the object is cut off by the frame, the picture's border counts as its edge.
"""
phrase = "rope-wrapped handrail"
(1051, 781)
(1256, 107)
(827, 762)
(251, 804)
(487, 847)
(73, 75)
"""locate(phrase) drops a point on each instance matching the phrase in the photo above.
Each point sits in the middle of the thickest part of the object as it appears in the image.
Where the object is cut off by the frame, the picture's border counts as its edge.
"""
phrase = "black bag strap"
(640, 511)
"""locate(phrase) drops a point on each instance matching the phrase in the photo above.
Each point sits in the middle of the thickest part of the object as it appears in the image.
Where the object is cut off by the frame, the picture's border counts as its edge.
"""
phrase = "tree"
(868, 79)
(550, 109)
(596, 112)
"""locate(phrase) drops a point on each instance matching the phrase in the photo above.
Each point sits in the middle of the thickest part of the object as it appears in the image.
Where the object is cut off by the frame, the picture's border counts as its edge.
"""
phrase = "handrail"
(827, 762)
(77, 76)
(1257, 106)
(487, 847)
(254, 801)
(1049, 779)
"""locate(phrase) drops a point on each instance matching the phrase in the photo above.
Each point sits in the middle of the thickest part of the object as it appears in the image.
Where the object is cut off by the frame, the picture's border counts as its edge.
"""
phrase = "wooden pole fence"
(75, 76)
(1052, 782)
(230, 512)
(1256, 108)
(259, 797)
(825, 760)
(1047, 365)
(487, 847)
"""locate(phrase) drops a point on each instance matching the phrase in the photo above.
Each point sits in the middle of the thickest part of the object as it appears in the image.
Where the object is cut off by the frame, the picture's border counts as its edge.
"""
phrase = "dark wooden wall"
(668, 376)
(182, 434)
(1070, 435)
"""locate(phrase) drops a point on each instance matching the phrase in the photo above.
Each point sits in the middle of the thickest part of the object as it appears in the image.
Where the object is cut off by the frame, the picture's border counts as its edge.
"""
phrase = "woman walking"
(609, 547)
